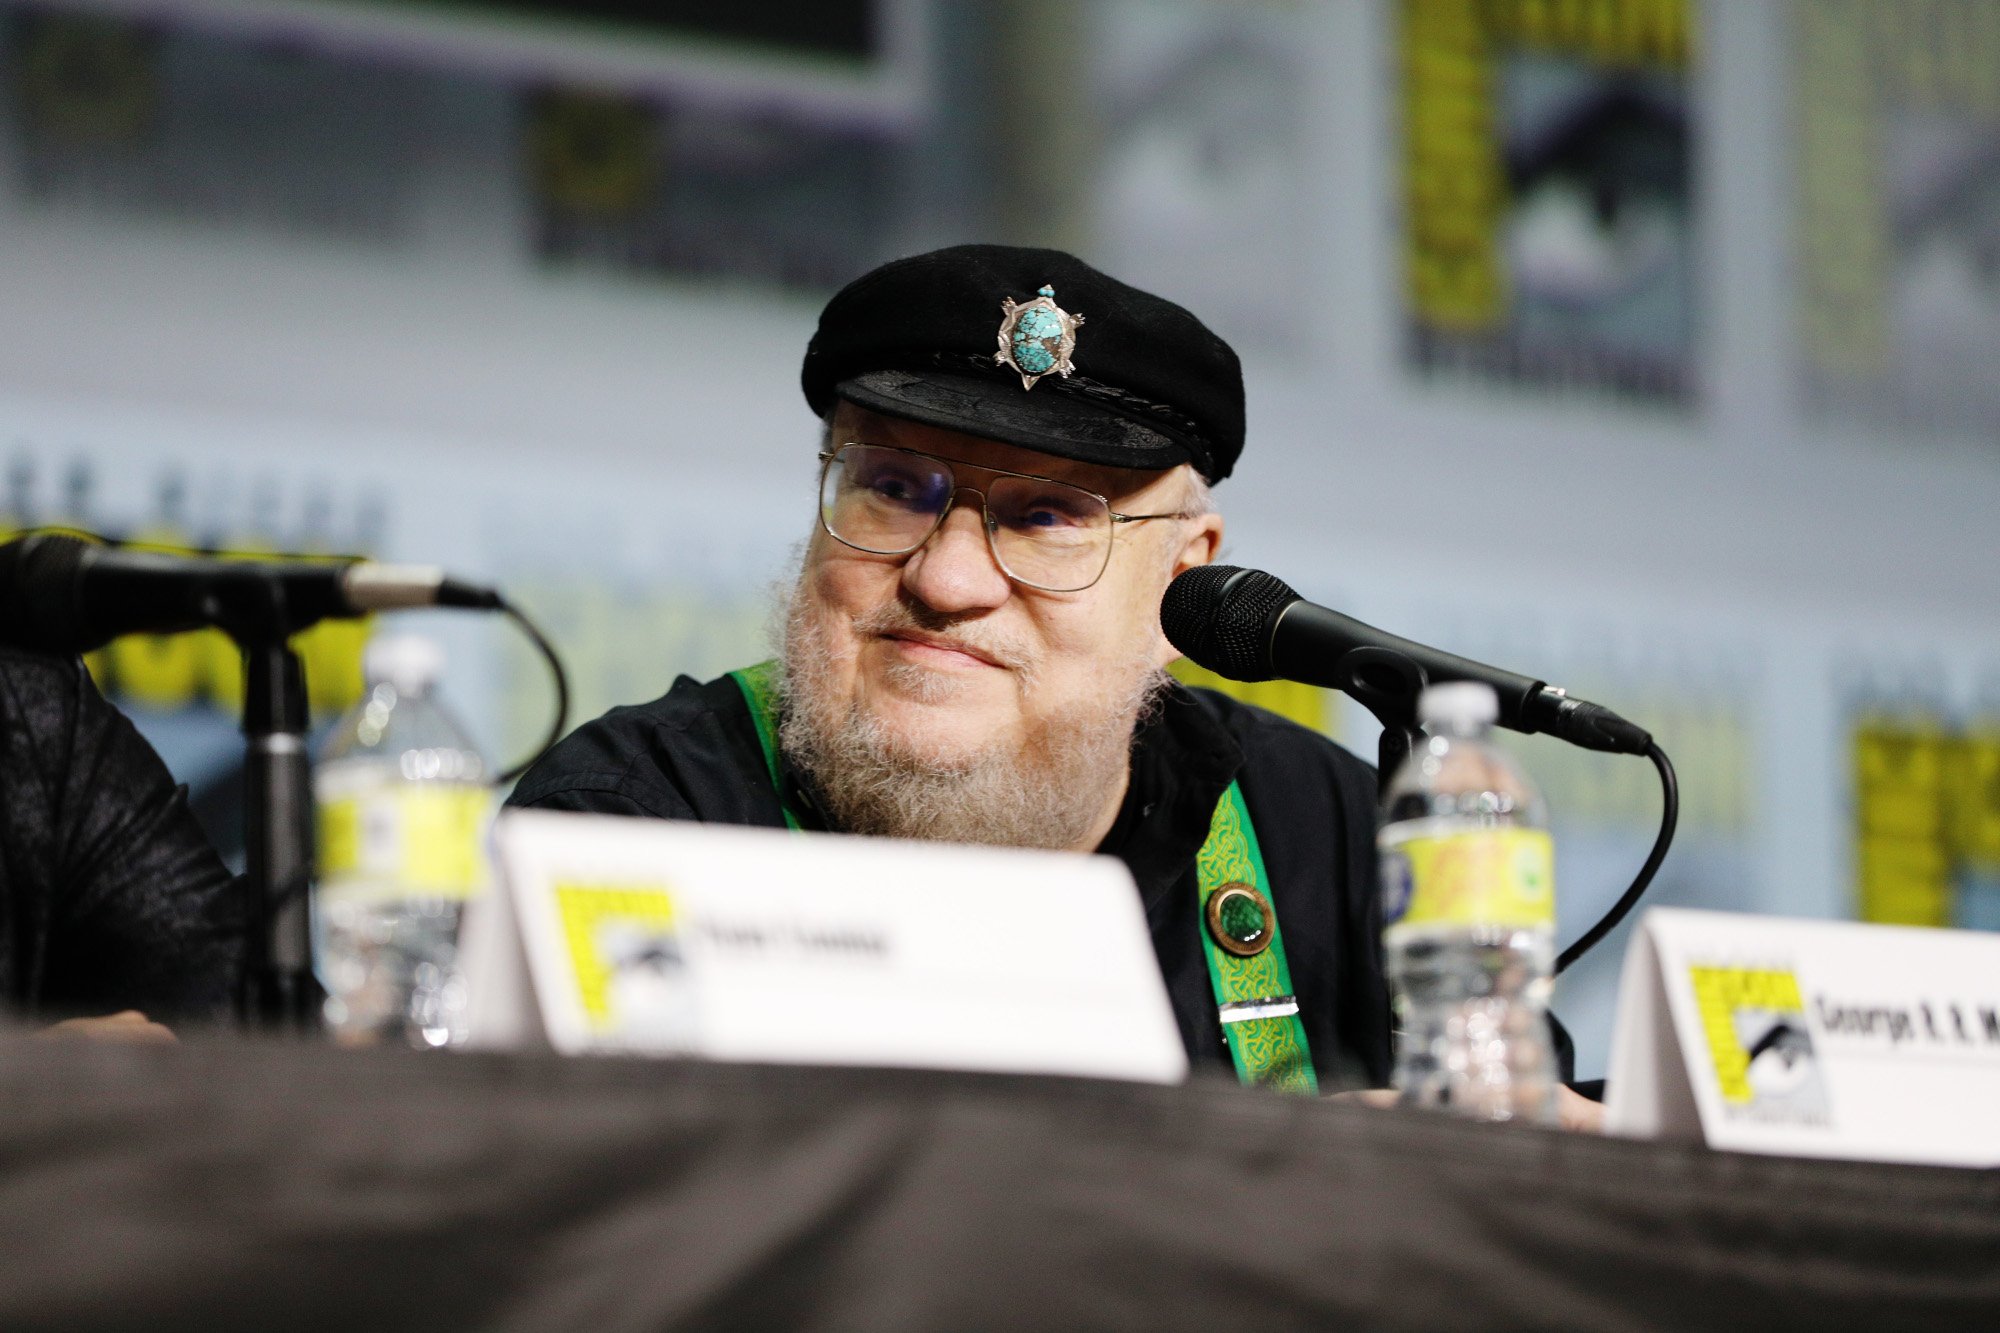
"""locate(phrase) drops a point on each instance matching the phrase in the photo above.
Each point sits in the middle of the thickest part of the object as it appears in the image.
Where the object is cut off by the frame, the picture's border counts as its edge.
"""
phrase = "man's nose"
(955, 570)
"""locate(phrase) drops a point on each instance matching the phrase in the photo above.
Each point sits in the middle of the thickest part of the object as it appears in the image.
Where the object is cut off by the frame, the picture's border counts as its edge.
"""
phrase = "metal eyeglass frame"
(827, 458)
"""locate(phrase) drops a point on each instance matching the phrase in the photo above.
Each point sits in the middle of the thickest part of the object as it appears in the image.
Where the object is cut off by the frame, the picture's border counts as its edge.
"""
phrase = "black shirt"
(110, 897)
(694, 754)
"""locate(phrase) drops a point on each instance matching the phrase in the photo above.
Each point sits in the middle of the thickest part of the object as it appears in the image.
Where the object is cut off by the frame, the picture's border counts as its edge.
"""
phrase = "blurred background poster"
(1925, 760)
(1548, 197)
(1898, 116)
(749, 177)
(196, 124)
(1201, 112)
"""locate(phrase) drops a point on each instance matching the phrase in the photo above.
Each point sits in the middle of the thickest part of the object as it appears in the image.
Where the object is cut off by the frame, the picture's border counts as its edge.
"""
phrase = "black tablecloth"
(231, 1184)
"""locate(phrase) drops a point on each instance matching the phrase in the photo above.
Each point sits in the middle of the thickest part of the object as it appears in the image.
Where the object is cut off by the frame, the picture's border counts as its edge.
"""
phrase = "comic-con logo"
(1758, 1043)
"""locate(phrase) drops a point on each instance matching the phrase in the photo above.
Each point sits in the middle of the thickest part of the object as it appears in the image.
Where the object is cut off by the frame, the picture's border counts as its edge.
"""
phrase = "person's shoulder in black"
(693, 753)
(110, 895)
(1272, 743)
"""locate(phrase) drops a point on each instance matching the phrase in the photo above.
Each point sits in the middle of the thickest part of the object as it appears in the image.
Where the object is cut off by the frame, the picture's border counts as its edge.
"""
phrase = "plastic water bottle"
(403, 804)
(1468, 881)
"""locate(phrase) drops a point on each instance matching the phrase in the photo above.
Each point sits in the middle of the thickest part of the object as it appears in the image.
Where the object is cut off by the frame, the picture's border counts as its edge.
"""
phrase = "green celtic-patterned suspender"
(1253, 995)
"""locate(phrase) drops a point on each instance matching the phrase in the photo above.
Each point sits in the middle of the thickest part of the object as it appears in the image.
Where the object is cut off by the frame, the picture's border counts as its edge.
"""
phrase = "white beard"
(1047, 790)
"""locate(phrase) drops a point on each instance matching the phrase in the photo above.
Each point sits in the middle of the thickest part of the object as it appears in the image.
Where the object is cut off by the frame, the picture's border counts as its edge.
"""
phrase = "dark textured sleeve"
(587, 796)
(143, 914)
(591, 771)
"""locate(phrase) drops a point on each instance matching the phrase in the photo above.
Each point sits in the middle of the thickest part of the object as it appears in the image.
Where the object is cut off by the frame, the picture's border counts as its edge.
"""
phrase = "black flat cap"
(1148, 386)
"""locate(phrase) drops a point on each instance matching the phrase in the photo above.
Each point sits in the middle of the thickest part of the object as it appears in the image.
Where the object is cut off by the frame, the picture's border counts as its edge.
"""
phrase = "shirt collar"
(1183, 759)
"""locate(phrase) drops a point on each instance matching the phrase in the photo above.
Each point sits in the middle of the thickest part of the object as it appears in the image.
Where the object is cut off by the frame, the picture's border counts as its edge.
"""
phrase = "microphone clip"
(1386, 683)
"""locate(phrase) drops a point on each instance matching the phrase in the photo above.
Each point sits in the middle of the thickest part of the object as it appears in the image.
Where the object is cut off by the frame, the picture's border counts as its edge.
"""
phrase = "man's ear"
(1200, 543)
(1203, 540)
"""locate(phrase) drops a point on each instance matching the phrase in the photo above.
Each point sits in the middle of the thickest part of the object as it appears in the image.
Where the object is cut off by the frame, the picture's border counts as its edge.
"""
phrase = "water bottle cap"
(410, 662)
(1462, 702)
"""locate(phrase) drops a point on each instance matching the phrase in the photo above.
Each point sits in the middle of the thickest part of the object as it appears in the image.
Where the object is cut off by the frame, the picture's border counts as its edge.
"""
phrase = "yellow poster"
(1547, 193)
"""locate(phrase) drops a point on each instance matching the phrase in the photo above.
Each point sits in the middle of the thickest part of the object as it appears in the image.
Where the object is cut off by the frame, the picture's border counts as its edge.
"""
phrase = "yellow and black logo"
(1758, 1043)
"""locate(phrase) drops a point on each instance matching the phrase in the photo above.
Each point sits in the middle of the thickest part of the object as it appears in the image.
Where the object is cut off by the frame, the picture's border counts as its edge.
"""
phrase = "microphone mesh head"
(1219, 617)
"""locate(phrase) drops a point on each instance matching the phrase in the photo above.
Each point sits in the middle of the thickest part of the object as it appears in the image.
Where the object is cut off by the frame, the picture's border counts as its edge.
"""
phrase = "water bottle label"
(1486, 877)
(427, 840)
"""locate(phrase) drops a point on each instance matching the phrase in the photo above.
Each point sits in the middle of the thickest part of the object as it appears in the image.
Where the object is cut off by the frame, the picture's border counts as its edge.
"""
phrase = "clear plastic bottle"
(403, 802)
(1468, 882)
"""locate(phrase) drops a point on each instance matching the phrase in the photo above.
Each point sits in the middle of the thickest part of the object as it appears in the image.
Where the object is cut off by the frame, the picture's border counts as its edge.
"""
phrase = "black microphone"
(1248, 625)
(62, 594)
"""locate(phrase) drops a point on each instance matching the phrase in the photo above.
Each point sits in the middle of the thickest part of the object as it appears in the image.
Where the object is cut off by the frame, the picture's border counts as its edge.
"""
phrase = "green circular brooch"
(1240, 919)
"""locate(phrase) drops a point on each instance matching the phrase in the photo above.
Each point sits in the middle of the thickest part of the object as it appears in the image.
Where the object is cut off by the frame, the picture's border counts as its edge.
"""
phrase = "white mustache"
(894, 616)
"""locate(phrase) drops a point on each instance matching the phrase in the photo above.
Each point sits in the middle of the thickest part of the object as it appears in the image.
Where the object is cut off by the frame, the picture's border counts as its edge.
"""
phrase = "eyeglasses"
(1044, 534)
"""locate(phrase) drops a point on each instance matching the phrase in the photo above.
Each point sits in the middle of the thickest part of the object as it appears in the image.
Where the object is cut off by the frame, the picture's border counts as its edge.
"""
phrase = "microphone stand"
(278, 990)
(1387, 684)
(1398, 740)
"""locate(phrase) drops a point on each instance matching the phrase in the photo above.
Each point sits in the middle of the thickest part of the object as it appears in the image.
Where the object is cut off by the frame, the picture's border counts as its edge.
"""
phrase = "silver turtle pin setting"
(1037, 337)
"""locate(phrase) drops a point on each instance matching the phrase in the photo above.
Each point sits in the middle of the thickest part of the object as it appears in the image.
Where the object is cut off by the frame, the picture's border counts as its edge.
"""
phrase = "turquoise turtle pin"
(1037, 337)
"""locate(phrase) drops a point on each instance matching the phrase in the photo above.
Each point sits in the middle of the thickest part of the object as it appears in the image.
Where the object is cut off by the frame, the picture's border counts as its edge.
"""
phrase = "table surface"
(232, 1183)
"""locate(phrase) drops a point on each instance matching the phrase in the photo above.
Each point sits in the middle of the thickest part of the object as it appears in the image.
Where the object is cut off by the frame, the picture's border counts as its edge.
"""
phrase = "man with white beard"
(972, 651)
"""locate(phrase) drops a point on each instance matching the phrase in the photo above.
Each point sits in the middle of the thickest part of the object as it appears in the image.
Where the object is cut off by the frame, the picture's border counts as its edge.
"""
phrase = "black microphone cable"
(557, 676)
(1670, 818)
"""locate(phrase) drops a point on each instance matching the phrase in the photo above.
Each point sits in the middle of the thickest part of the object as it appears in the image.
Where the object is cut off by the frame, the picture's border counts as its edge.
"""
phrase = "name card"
(1809, 1038)
(611, 934)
